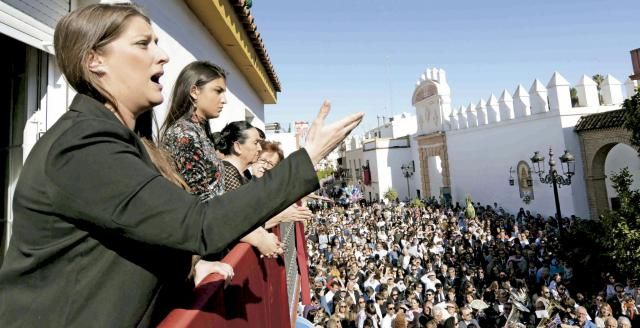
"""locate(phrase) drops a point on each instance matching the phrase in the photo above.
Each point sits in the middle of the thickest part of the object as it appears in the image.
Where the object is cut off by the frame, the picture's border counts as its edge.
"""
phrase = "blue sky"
(367, 55)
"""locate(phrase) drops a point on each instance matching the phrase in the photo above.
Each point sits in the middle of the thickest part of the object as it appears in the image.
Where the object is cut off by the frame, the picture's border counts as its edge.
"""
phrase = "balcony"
(256, 297)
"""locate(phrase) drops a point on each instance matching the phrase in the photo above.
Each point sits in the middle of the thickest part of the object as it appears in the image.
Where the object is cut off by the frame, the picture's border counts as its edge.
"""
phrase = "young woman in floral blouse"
(198, 95)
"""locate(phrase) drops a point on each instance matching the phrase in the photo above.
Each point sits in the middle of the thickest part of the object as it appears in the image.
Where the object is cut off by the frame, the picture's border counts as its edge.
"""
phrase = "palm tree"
(574, 97)
(598, 79)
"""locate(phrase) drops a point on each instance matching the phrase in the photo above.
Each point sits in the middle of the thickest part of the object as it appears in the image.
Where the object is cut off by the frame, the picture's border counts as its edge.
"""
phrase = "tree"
(574, 97)
(631, 106)
(416, 202)
(621, 228)
(391, 195)
(324, 173)
(598, 79)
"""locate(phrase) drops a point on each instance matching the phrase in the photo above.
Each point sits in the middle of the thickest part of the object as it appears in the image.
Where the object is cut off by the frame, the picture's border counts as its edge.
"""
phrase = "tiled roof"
(252, 31)
(611, 119)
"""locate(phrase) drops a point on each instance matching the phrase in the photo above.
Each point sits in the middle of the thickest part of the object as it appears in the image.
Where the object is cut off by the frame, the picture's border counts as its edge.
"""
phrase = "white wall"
(480, 158)
(386, 172)
(287, 141)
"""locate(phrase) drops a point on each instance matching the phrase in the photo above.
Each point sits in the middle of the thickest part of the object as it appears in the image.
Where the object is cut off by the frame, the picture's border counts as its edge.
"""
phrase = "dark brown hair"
(88, 29)
(197, 73)
(91, 28)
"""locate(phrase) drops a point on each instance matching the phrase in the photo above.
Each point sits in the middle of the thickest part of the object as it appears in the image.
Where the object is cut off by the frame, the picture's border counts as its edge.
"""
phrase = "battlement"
(555, 98)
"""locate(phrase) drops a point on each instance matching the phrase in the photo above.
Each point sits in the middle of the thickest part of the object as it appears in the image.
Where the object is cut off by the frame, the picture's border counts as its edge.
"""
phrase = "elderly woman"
(99, 233)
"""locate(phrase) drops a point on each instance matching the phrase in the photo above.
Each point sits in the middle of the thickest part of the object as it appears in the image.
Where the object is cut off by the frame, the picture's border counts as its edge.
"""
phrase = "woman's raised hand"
(322, 139)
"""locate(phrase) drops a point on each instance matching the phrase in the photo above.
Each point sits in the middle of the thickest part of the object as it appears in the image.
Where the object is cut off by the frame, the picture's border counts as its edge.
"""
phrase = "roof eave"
(234, 30)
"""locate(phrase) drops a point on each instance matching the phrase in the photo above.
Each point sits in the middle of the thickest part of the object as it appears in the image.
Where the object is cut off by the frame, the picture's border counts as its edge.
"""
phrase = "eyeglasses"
(267, 163)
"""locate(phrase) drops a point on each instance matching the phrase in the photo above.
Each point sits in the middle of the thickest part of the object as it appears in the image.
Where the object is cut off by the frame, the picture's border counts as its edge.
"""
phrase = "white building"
(36, 94)
(374, 163)
(477, 148)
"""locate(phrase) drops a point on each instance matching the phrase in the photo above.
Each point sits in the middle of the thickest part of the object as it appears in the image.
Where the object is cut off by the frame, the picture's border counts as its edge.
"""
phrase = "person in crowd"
(604, 313)
(467, 319)
(102, 229)
(623, 322)
(389, 316)
(583, 318)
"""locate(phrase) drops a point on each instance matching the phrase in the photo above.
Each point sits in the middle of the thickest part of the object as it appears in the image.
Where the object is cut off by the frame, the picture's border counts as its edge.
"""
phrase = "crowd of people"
(395, 265)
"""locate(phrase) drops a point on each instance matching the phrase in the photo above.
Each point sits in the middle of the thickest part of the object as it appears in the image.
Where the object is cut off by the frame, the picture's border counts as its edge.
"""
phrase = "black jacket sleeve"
(101, 176)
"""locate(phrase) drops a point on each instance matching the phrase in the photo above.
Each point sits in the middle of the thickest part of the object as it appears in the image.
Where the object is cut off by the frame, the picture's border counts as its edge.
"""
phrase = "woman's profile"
(100, 236)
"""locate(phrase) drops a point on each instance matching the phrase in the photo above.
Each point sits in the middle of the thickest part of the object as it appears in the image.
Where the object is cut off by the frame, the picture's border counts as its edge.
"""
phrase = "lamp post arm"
(563, 181)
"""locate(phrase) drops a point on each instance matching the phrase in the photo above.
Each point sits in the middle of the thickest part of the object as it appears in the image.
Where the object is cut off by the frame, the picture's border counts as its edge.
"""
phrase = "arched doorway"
(599, 134)
(619, 157)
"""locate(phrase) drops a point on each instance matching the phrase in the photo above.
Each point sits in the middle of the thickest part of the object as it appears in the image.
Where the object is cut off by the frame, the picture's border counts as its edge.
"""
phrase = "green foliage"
(391, 195)
(584, 248)
(631, 107)
(326, 172)
(574, 97)
(621, 228)
(598, 79)
(470, 211)
(416, 203)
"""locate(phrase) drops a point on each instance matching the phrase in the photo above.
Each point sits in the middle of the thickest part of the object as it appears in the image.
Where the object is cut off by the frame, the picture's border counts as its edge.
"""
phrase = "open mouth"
(155, 78)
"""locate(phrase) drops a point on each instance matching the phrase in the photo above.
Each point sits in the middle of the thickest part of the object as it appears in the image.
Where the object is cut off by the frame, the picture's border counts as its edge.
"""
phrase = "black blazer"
(100, 238)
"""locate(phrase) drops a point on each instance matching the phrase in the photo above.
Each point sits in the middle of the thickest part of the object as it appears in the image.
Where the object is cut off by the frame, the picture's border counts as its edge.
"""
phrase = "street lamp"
(407, 171)
(554, 178)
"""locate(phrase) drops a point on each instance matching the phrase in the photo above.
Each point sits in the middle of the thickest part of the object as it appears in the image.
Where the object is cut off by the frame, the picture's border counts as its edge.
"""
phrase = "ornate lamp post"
(407, 172)
(554, 178)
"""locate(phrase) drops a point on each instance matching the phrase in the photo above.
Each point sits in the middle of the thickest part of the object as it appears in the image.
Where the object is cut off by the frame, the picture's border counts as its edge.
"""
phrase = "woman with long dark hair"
(100, 236)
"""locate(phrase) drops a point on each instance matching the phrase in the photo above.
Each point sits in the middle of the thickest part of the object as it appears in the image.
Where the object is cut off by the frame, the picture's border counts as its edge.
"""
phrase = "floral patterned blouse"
(189, 143)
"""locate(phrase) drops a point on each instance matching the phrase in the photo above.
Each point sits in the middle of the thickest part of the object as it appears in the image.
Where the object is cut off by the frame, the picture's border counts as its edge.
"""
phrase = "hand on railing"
(293, 213)
(205, 268)
(268, 244)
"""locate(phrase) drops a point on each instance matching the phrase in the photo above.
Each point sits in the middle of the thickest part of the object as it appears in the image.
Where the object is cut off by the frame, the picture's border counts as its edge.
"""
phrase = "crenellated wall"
(486, 139)
(552, 99)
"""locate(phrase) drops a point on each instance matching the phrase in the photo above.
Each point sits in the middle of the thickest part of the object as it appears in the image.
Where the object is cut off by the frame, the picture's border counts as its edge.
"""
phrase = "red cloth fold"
(303, 267)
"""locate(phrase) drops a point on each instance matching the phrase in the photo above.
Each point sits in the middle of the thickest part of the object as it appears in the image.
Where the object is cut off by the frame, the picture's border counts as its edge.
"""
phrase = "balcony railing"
(256, 297)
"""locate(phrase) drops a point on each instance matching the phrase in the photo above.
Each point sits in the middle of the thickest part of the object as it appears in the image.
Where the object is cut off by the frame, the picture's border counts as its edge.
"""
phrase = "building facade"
(374, 163)
(483, 145)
